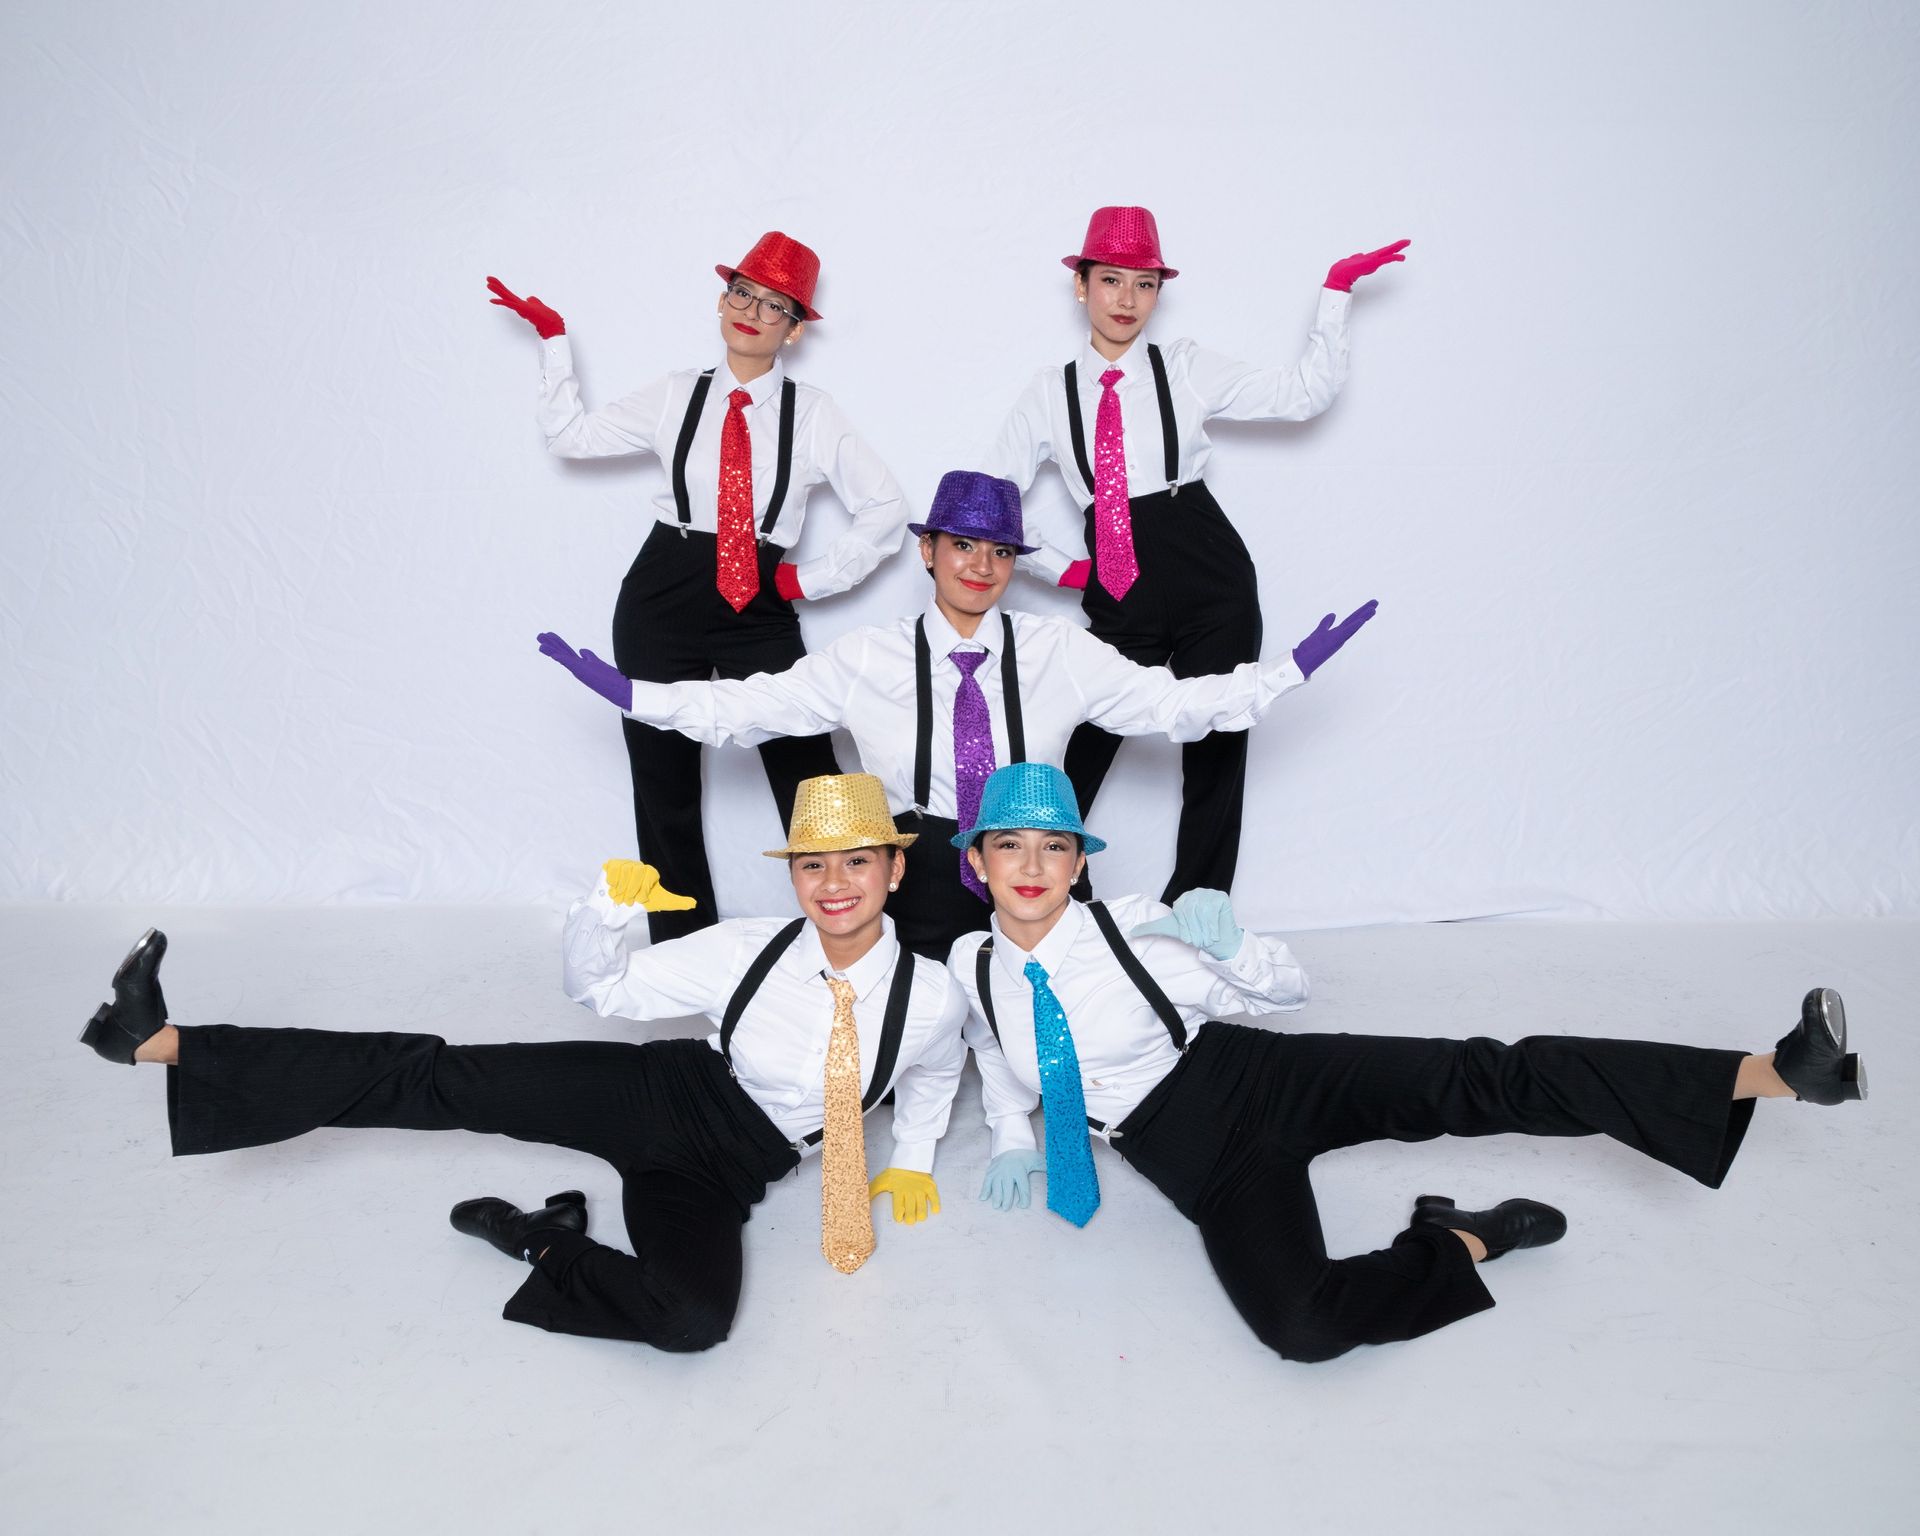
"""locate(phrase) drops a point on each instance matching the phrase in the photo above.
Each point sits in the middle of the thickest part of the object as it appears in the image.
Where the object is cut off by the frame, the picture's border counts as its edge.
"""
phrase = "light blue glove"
(1010, 1179)
(1203, 919)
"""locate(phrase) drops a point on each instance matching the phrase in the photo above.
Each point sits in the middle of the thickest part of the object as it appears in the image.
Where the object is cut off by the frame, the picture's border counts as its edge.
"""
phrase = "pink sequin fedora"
(1122, 237)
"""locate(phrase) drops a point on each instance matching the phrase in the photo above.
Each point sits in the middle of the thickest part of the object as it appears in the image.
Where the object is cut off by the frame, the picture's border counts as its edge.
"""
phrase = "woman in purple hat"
(711, 591)
(1167, 580)
(937, 701)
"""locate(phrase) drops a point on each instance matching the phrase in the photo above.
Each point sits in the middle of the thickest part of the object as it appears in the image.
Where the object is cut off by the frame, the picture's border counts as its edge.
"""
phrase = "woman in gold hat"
(816, 1018)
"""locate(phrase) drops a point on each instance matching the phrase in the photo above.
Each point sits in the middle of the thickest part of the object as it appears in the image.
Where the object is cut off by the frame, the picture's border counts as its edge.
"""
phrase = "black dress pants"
(671, 625)
(1228, 1136)
(1195, 609)
(932, 908)
(694, 1153)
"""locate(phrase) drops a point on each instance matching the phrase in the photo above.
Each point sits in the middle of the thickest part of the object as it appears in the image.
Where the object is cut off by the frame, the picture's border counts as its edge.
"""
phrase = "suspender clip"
(683, 530)
(1174, 489)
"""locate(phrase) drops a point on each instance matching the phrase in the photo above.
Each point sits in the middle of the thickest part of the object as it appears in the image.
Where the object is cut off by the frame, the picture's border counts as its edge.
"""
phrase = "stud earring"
(893, 885)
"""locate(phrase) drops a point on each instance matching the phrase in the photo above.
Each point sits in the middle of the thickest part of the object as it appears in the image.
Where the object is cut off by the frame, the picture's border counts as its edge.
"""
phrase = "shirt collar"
(759, 390)
(1051, 951)
(806, 959)
(942, 637)
(1092, 364)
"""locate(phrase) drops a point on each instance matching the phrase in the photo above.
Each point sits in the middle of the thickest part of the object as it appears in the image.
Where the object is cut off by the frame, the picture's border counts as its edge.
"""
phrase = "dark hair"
(1085, 267)
(876, 847)
(1079, 842)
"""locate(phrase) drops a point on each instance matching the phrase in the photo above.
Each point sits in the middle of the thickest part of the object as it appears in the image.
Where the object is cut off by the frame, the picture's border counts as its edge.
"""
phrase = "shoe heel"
(1853, 1078)
(1420, 1200)
(567, 1197)
(97, 1027)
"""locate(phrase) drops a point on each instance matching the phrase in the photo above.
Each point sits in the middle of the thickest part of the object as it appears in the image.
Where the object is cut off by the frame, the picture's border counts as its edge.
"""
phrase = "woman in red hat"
(710, 592)
(1167, 580)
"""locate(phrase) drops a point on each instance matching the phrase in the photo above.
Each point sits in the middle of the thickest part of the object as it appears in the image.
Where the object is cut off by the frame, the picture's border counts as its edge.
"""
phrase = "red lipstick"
(1029, 892)
(745, 330)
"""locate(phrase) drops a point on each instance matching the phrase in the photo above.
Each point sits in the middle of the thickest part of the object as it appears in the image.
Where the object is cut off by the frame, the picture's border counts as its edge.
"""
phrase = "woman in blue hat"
(1107, 1016)
(935, 702)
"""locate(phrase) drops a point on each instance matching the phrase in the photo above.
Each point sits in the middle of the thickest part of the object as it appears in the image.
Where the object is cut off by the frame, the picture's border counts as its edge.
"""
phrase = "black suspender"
(750, 984)
(783, 471)
(1129, 962)
(923, 706)
(892, 1028)
(1169, 433)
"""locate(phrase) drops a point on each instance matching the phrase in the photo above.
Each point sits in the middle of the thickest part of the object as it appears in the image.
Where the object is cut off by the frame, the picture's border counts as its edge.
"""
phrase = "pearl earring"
(893, 885)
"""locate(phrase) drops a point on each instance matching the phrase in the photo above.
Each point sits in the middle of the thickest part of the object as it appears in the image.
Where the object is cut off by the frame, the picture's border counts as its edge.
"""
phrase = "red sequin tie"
(738, 570)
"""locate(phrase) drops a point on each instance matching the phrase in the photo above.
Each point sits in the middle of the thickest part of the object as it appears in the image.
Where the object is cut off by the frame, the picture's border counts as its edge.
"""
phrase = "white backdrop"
(1626, 452)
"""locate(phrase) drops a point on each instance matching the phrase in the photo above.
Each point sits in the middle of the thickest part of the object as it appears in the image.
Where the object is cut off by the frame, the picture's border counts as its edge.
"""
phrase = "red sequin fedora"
(1122, 237)
(781, 262)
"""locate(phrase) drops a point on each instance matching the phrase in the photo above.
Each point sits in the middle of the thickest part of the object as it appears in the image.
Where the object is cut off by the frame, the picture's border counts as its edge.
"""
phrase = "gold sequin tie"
(846, 1215)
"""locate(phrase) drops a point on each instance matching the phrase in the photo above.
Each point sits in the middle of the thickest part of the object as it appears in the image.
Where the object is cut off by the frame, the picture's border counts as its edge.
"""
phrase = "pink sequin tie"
(737, 570)
(1113, 555)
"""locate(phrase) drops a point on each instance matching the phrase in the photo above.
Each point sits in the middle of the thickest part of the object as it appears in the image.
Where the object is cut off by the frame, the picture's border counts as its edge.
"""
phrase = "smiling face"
(844, 894)
(1119, 300)
(751, 337)
(968, 574)
(1030, 874)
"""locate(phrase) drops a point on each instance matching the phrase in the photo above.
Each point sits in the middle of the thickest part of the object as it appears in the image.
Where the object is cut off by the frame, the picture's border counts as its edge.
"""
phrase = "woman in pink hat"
(1167, 580)
(711, 592)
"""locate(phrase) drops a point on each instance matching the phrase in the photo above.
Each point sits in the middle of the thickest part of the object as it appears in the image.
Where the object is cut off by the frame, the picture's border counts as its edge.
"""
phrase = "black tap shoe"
(1509, 1225)
(514, 1231)
(1812, 1057)
(139, 1008)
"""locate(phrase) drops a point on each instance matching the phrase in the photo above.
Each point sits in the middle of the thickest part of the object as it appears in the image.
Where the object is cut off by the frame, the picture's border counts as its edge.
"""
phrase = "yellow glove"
(629, 881)
(915, 1195)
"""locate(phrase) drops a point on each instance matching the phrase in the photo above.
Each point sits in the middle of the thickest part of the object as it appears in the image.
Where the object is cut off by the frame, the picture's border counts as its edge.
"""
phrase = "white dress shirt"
(780, 1044)
(1202, 385)
(864, 682)
(1123, 1047)
(825, 447)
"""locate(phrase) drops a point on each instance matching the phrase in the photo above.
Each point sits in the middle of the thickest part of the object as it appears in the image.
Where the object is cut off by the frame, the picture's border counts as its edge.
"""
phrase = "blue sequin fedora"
(1029, 795)
(976, 506)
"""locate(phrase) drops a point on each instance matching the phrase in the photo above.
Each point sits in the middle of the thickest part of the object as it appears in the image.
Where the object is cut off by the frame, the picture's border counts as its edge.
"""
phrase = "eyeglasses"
(772, 311)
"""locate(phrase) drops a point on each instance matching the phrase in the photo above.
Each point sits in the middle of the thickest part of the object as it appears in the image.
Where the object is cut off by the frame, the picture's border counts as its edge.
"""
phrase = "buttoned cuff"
(913, 1156)
(1012, 1133)
(1333, 307)
(818, 578)
(556, 355)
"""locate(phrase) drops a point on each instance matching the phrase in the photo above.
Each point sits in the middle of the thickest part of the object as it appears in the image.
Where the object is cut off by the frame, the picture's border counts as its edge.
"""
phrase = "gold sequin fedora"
(838, 811)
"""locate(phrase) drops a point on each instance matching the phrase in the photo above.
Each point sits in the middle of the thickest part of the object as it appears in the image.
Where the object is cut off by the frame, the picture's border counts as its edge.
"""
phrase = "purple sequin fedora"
(976, 506)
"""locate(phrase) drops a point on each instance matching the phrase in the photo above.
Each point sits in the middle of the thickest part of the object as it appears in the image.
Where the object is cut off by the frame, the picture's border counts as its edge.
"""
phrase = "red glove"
(786, 581)
(529, 309)
(1076, 575)
(1341, 274)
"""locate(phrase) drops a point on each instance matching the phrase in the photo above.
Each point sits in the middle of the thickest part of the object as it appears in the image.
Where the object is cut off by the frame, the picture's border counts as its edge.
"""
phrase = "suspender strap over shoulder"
(681, 448)
(751, 983)
(783, 471)
(1169, 432)
(923, 707)
(1139, 975)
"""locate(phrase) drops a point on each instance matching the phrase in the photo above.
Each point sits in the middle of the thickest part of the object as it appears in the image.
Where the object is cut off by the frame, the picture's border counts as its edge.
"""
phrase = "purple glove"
(1310, 652)
(596, 674)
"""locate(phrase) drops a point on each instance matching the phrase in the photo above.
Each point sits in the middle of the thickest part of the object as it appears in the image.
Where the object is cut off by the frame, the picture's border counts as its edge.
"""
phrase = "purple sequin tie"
(1113, 555)
(972, 752)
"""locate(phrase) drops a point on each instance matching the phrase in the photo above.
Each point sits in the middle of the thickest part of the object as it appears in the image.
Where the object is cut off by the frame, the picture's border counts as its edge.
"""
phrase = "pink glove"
(1341, 274)
(1076, 575)
(529, 309)
(786, 581)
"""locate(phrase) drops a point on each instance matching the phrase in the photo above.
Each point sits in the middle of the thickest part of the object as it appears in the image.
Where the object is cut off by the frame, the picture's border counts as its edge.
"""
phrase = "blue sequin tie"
(1073, 1188)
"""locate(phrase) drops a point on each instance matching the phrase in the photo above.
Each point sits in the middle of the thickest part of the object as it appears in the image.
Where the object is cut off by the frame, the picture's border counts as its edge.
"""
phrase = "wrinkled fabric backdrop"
(1627, 453)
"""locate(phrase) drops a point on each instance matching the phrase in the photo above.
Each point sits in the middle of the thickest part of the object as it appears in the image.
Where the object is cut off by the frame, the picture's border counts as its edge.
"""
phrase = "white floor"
(292, 1339)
